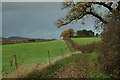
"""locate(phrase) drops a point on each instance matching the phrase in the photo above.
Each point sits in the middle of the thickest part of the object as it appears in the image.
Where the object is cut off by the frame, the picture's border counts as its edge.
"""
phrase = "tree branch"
(95, 15)
(90, 13)
(105, 5)
(85, 12)
(118, 8)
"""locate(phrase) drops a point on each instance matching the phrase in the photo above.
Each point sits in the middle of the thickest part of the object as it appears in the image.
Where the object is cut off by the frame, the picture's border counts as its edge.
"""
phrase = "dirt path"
(78, 68)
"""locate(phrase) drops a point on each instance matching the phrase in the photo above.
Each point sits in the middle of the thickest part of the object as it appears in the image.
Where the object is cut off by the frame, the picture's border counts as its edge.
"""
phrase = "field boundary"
(66, 46)
(74, 44)
(38, 54)
(20, 73)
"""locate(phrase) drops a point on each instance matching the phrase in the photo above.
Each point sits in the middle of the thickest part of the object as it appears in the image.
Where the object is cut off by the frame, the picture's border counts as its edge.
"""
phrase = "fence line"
(11, 65)
(62, 53)
(15, 61)
(21, 61)
(49, 57)
(74, 44)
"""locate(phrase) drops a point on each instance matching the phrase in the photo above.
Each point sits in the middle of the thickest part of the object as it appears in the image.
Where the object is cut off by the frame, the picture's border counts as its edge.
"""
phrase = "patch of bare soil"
(78, 68)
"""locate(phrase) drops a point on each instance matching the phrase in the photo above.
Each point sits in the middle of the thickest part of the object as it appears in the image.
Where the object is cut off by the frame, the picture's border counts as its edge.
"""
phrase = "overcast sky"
(36, 20)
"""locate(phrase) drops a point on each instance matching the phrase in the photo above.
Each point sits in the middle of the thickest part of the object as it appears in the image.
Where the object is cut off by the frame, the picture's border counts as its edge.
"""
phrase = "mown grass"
(46, 73)
(86, 40)
(32, 53)
(93, 73)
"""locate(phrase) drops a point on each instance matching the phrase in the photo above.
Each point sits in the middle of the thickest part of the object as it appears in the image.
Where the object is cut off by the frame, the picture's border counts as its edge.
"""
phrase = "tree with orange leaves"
(67, 33)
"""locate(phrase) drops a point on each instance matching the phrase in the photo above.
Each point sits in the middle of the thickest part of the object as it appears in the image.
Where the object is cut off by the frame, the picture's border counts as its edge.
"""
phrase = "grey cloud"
(36, 20)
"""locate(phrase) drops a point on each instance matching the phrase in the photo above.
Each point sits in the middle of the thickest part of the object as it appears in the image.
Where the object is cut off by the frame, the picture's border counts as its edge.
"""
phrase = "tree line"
(70, 33)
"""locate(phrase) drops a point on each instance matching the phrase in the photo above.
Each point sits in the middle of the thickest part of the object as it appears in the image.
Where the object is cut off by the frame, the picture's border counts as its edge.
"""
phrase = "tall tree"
(110, 41)
(67, 33)
(110, 53)
(84, 33)
(77, 10)
(96, 34)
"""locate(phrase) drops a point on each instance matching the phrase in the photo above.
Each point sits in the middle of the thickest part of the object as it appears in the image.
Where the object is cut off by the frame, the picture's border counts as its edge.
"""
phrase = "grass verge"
(96, 74)
(94, 58)
(46, 73)
(93, 72)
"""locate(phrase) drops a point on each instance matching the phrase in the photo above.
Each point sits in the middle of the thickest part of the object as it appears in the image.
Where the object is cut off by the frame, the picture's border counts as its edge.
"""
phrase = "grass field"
(86, 40)
(32, 53)
(36, 53)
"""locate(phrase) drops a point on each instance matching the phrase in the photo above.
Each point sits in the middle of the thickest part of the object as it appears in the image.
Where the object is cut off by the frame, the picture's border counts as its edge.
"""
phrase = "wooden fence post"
(15, 61)
(21, 62)
(62, 53)
(49, 57)
(11, 65)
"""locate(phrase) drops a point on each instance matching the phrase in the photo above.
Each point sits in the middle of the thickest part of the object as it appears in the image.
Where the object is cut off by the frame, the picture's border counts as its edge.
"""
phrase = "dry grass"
(22, 73)
(0, 76)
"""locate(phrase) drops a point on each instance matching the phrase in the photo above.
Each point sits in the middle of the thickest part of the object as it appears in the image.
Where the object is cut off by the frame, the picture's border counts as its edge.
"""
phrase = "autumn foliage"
(67, 33)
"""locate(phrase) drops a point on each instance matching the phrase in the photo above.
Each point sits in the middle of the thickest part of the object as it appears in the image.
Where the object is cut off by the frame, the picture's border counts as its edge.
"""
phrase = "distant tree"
(90, 33)
(31, 40)
(97, 34)
(68, 33)
(84, 33)
(79, 32)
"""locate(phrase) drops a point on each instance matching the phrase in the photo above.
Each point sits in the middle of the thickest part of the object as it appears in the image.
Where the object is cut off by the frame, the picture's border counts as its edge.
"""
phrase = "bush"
(93, 47)
(110, 53)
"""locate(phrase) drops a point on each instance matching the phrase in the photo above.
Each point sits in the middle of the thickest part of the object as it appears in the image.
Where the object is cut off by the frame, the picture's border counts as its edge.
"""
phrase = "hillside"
(15, 38)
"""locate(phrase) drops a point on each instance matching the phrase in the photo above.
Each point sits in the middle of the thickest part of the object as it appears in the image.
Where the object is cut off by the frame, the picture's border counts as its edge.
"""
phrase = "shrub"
(84, 48)
(110, 53)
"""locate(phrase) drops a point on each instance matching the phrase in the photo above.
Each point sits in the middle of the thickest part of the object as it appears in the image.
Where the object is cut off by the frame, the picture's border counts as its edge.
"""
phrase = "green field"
(32, 53)
(36, 53)
(86, 40)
